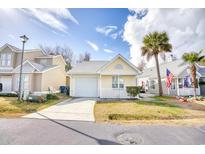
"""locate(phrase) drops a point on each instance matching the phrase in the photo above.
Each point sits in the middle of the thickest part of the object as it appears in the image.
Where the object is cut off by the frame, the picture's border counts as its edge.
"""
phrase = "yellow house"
(104, 79)
(40, 72)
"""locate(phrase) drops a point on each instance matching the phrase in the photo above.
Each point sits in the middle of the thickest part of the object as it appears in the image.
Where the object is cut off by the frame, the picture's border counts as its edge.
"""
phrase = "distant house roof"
(95, 67)
(39, 68)
(87, 67)
(17, 50)
(176, 67)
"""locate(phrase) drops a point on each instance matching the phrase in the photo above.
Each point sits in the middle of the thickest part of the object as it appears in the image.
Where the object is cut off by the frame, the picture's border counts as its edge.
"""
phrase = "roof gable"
(119, 65)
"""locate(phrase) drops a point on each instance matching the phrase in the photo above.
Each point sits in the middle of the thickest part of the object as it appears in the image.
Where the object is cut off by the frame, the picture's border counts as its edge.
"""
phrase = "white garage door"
(86, 86)
(6, 83)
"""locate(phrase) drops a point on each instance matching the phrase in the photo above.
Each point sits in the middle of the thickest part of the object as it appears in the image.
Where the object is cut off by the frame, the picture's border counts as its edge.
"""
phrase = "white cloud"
(93, 45)
(108, 51)
(52, 17)
(185, 28)
(106, 30)
(111, 31)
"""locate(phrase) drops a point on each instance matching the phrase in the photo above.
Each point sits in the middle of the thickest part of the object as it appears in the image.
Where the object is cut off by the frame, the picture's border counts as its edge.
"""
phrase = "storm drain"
(129, 139)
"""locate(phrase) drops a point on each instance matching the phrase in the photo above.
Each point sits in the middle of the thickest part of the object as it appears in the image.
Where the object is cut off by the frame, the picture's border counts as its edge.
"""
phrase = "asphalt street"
(48, 131)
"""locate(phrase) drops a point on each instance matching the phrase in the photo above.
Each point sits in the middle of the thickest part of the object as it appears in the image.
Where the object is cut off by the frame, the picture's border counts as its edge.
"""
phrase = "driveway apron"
(81, 109)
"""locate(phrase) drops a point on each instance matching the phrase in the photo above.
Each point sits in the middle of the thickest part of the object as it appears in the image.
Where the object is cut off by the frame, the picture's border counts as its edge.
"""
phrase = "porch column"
(177, 86)
(99, 89)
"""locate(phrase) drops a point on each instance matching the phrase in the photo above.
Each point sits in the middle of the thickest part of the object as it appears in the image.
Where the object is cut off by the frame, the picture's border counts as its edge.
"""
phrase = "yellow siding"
(37, 81)
(53, 78)
(125, 70)
(59, 61)
(28, 55)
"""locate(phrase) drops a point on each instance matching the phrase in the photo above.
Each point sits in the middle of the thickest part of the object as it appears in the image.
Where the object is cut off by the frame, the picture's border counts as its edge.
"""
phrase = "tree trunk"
(158, 75)
(193, 75)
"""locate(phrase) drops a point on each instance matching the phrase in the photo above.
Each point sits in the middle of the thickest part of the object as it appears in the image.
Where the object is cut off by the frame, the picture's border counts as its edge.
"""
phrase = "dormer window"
(5, 59)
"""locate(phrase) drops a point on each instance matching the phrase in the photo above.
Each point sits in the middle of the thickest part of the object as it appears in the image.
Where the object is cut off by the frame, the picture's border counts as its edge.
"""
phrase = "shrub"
(52, 96)
(133, 91)
(8, 95)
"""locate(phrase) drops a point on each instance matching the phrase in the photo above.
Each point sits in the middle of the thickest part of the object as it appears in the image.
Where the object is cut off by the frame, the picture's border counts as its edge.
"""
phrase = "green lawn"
(11, 107)
(160, 109)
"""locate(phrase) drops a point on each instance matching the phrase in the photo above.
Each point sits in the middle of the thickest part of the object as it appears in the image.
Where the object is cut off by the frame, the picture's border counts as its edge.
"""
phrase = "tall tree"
(65, 51)
(154, 44)
(192, 58)
(84, 57)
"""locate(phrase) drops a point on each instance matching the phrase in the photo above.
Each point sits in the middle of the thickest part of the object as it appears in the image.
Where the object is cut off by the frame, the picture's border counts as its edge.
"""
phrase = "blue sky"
(104, 32)
(91, 30)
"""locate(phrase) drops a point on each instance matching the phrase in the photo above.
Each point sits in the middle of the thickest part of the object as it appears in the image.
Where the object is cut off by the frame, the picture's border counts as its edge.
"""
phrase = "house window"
(5, 59)
(44, 61)
(187, 82)
(152, 84)
(117, 82)
(121, 83)
(180, 83)
(1, 87)
(26, 82)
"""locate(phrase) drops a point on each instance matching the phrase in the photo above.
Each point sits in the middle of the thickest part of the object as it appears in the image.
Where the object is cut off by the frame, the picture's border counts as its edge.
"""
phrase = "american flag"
(169, 78)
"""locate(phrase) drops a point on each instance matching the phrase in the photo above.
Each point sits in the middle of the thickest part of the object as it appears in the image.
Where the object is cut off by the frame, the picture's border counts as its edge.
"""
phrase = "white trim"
(27, 61)
(6, 45)
(49, 69)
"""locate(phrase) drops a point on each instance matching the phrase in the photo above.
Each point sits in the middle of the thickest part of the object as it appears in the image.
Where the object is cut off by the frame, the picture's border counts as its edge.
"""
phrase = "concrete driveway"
(81, 109)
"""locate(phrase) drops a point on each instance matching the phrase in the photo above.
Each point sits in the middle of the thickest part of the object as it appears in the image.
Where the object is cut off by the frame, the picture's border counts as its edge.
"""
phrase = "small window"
(8, 59)
(121, 83)
(180, 83)
(1, 87)
(152, 84)
(115, 82)
(5, 59)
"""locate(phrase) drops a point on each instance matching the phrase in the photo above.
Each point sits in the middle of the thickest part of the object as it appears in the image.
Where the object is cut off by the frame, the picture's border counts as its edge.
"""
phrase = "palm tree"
(193, 58)
(154, 44)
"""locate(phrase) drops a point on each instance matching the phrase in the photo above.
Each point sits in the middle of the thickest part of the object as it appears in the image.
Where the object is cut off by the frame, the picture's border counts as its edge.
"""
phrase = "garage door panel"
(6, 82)
(86, 86)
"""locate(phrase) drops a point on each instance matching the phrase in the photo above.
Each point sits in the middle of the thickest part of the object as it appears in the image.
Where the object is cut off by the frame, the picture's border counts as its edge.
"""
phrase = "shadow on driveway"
(100, 141)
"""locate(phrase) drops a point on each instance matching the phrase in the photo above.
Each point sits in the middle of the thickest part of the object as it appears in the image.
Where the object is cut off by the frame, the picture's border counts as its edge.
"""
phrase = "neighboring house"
(181, 83)
(40, 72)
(104, 79)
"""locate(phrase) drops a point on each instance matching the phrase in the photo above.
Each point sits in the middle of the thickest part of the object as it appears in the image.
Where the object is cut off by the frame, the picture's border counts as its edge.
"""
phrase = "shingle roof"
(41, 67)
(15, 49)
(87, 67)
(176, 67)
